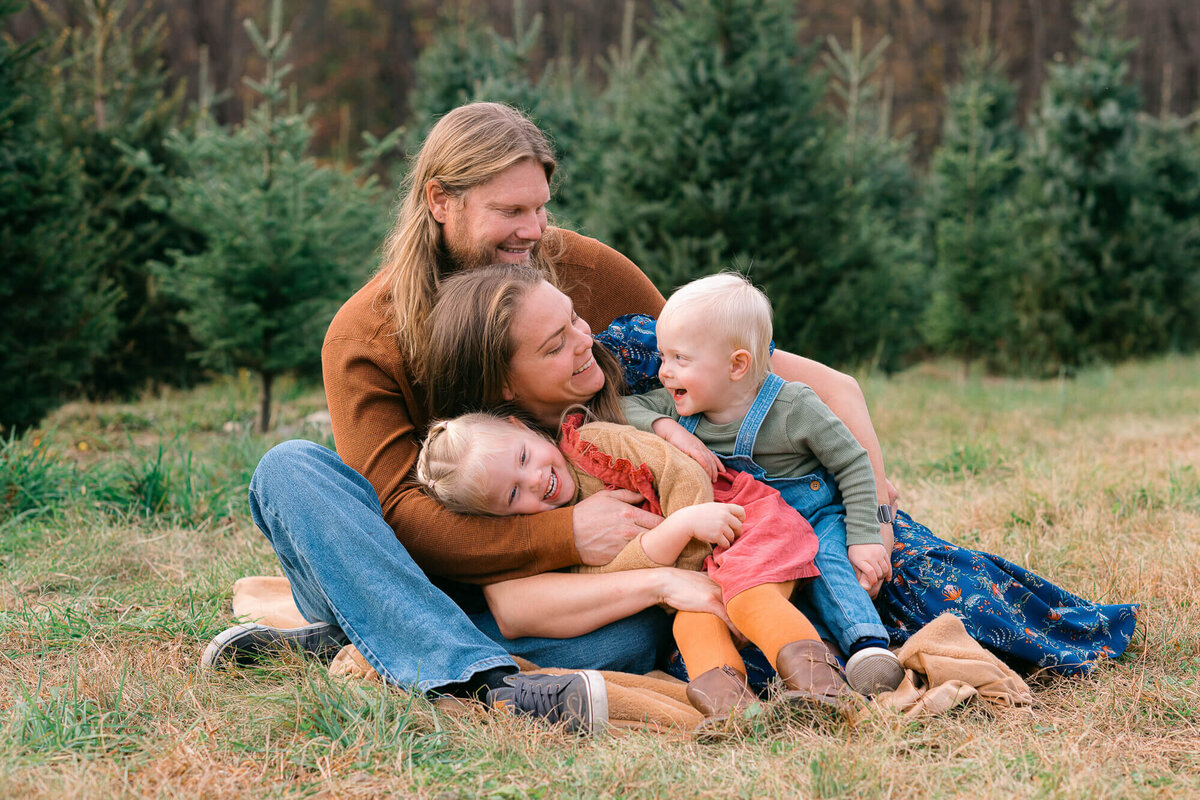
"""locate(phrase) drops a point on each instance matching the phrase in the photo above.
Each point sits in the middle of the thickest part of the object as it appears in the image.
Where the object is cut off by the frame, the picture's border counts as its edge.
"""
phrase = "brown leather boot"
(811, 673)
(720, 692)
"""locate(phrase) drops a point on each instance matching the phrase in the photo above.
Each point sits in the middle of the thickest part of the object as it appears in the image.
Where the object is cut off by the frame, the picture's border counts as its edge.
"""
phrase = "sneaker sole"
(251, 640)
(874, 674)
(597, 691)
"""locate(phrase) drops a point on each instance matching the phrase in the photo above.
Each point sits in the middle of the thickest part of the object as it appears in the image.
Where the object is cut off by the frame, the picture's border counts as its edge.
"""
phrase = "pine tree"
(1089, 292)
(286, 239)
(468, 61)
(605, 115)
(110, 96)
(729, 159)
(720, 160)
(463, 52)
(720, 135)
(56, 312)
(1167, 222)
(979, 259)
(873, 314)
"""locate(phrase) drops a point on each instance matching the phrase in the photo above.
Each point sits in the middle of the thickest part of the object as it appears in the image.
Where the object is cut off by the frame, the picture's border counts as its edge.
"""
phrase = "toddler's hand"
(870, 565)
(676, 434)
(715, 523)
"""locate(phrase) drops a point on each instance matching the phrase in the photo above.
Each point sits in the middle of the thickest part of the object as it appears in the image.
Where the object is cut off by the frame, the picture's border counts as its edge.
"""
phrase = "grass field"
(123, 527)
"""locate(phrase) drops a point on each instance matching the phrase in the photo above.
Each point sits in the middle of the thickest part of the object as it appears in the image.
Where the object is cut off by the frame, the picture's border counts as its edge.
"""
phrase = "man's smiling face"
(500, 221)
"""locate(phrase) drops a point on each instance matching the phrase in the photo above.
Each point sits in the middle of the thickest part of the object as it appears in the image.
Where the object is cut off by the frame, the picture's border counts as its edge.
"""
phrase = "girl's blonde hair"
(468, 147)
(466, 358)
(728, 306)
(450, 465)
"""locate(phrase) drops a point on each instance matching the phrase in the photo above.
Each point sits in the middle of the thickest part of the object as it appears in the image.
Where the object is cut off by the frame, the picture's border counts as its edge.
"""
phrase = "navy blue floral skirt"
(1023, 617)
(1026, 620)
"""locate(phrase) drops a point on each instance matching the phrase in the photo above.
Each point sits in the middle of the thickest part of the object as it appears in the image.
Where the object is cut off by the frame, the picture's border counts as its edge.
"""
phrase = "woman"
(505, 335)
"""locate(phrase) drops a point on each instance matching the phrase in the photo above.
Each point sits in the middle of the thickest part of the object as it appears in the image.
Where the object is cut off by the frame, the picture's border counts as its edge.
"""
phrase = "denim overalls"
(835, 603)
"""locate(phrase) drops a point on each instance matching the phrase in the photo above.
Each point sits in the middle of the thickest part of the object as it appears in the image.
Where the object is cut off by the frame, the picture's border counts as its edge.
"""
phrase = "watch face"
(883, 514)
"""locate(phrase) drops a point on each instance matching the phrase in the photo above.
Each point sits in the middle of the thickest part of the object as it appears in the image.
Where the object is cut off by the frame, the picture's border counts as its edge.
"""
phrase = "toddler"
(718, 392)
(485, 464)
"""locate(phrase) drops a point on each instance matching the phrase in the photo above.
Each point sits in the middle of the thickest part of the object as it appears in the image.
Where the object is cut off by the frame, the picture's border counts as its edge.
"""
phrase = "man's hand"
(871, 565)
(893, 493)
(676, 434)
(719, 524)
(605, 522)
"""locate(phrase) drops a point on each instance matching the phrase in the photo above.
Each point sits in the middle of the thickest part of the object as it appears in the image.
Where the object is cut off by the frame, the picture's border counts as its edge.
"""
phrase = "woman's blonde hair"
(466, 358)
(450, 465)
(468, 147)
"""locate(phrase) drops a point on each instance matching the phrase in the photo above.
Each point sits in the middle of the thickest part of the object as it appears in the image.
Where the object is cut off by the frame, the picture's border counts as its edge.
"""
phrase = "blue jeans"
(837, 605)
(346, 567)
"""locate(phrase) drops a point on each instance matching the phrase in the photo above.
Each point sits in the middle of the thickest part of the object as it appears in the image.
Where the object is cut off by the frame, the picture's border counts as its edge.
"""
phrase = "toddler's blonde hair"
(450, 465)
(729, 305)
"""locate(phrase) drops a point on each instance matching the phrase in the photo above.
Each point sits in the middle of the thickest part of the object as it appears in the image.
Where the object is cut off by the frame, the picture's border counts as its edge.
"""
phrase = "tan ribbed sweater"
(678, 481)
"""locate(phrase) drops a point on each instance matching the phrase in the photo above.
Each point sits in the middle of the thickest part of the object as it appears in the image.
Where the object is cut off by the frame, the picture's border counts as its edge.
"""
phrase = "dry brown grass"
(1094, 482)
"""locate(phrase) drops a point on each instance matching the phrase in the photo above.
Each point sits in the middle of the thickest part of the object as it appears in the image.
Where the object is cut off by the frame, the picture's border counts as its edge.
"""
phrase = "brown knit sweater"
(378, 413)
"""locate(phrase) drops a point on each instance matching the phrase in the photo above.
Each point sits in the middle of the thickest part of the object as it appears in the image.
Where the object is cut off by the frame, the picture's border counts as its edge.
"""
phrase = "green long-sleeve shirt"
(798, 435)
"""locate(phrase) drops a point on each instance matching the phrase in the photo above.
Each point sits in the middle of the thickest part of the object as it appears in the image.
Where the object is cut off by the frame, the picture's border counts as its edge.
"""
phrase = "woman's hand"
(684, 590)
(719, 524)
(670, 430)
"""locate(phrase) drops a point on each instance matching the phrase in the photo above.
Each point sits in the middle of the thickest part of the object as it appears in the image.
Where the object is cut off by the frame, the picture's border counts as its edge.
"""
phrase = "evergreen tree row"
(144, 243)
(721, 141)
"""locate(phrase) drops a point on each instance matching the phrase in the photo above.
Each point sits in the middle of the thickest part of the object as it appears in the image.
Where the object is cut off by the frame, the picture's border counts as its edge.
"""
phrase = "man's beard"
(451, 259)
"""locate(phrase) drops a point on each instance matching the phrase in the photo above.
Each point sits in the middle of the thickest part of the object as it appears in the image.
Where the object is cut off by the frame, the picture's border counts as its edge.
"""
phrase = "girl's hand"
(719, 524)
(670, 430)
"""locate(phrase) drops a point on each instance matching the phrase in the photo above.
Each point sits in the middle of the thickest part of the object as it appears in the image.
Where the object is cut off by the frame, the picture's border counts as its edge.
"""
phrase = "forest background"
(1013, 184)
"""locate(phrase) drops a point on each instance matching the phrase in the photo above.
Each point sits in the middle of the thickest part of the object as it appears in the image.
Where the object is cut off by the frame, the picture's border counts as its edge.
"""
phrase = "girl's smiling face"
(552, 367)
(526, 474)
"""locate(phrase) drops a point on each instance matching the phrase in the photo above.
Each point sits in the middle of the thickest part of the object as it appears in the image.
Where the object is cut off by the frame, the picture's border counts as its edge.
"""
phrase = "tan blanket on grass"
(945, 667)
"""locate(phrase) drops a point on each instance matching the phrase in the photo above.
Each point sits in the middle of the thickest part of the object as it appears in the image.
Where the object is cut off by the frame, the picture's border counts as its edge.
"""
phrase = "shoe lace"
(541, 699)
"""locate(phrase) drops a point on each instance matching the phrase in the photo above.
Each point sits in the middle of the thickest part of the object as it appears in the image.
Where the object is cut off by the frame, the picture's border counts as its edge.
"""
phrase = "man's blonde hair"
(468, 147)
(726, 305)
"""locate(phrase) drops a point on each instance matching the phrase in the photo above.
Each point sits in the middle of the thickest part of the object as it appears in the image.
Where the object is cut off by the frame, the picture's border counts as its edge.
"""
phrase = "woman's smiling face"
(552, 366)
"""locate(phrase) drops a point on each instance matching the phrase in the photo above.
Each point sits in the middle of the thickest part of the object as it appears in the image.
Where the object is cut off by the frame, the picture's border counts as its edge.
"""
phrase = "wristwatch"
(884, 514)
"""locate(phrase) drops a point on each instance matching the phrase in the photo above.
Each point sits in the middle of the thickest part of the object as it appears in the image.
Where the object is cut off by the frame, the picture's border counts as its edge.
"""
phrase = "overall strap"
(748, 432)
(689, 423)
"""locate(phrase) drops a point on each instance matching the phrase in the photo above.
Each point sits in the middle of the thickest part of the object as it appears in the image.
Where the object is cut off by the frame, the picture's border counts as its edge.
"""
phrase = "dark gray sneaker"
(577, 700)
(249, 642)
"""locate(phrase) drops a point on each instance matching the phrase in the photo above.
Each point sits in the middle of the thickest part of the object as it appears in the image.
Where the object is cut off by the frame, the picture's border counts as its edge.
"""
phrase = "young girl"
(751, 543)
